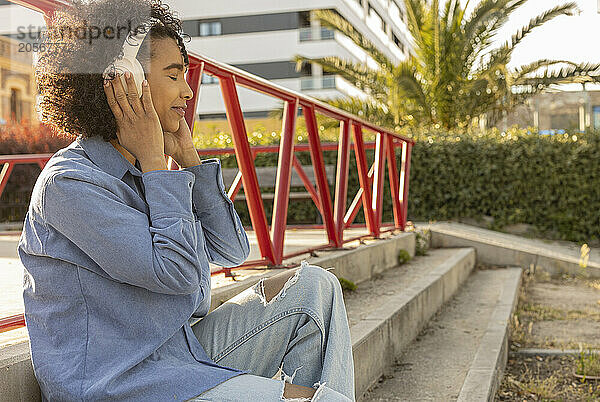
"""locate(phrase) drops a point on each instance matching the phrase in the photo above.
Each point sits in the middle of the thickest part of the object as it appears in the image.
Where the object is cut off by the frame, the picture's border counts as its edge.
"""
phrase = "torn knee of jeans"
(318, 386)
(285, 377)
(259, 288)
(289, 380)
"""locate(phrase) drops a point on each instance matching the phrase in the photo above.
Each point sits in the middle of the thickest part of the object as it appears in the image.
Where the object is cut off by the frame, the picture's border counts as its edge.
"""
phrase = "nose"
(186, 92)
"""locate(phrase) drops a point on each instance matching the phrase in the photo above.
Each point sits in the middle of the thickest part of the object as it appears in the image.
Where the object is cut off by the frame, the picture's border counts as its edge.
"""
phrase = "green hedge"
(550, 182)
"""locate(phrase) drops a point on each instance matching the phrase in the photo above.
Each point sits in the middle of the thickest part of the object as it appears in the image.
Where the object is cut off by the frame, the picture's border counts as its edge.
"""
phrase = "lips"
(179, 110)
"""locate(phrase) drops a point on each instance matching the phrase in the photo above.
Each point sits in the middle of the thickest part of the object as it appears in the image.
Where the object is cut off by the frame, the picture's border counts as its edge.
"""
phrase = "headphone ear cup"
(134, 67)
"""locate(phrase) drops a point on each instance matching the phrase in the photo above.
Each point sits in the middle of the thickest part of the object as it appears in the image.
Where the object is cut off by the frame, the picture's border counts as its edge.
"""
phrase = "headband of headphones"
(134, 40)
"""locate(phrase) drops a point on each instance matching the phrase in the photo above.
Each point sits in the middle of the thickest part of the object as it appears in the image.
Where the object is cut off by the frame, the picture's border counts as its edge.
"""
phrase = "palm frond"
(502, 54)
(333, 20)
(358, 74)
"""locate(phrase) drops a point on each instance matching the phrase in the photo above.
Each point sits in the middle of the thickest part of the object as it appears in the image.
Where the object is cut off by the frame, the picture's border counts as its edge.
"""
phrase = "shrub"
(403, 257)
(347, 285)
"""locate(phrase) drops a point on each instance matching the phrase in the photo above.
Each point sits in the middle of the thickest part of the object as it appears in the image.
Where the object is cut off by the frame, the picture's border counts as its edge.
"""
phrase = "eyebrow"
(178, 66)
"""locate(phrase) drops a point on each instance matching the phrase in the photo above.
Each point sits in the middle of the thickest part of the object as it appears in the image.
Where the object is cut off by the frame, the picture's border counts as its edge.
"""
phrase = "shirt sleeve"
(157, 252)
(226, 242)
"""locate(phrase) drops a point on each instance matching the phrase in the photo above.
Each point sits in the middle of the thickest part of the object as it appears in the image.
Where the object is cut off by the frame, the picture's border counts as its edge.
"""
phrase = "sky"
(566, 38)
(573, 38)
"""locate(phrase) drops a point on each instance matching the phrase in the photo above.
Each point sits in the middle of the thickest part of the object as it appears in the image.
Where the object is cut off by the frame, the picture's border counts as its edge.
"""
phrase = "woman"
(116, 247)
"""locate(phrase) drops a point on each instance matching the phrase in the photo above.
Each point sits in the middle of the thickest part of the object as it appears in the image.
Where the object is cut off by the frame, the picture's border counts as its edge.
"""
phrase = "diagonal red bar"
(46, 7)
(235, 186)
(246, 164)
(379, 176)
(355, 206)
(4, 175)
(282, 183)
(12, 322)
(365, 183)
(341, 177)
(404, 180)
(316, 155)
(394, 185)
(307, 184)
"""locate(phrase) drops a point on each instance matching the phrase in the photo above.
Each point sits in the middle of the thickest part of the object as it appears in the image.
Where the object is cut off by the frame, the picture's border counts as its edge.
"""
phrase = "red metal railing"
(335, 216)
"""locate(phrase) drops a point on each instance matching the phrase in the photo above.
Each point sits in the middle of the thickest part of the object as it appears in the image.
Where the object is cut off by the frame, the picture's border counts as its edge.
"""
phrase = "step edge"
(485, 373)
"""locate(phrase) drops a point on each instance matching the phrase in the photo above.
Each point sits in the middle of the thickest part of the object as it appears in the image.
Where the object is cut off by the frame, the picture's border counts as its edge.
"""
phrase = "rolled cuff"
(208, 188)
(169, 193)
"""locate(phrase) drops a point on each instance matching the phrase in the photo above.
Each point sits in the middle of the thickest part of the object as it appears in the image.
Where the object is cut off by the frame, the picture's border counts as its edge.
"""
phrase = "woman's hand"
(138, 127)
(180, 146)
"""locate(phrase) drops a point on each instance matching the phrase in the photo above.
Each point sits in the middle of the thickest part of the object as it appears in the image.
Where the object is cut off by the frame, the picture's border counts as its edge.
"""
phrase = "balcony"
(310, 83)
(307, 34)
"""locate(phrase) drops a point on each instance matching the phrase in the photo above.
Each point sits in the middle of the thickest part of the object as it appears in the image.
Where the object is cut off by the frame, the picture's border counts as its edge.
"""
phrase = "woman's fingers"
(147, 97)
(132, 94)
(121, 97)
(112, 101)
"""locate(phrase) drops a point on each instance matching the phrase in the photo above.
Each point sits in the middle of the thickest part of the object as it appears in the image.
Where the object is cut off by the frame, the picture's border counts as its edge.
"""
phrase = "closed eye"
(173, 78)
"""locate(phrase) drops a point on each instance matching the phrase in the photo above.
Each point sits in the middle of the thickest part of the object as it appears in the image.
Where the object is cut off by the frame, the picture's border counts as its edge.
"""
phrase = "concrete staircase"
(461, 353)
(391, 306)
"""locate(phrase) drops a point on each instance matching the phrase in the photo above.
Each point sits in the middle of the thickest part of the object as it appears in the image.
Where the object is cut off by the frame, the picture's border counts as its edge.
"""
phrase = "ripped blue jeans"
(300, 336)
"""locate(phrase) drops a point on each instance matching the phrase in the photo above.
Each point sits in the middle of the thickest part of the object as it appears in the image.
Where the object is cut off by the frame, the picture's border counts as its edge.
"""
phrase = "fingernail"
(145, 83)
(128, 74)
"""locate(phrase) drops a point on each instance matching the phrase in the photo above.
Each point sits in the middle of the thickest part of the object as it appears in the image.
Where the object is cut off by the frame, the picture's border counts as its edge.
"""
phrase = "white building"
(263, 36)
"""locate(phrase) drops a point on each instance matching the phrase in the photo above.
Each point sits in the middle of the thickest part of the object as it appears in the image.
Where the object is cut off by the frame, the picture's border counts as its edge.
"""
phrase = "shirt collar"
(106, 157)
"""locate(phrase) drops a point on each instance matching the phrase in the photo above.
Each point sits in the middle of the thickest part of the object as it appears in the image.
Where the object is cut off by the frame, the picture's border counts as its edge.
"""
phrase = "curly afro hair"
(80, 43)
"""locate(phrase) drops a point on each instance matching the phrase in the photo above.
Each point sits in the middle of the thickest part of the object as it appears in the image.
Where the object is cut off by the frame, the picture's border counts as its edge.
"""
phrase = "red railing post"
(365, 183)
(404, 180)
(282, 183)
(394, 185)
(4, 175)
(316, 155)
(341, 179)
(246, 164)
(378, 177)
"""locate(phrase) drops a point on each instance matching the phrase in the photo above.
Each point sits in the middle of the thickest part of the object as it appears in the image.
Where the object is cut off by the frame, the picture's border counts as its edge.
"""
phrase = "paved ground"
(560, 313)
(551, 247)
(11, 269)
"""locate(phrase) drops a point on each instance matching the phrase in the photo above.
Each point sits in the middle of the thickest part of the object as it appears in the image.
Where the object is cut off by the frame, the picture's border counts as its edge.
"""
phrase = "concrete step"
(388, 312)
(498, 248)
(462, 353)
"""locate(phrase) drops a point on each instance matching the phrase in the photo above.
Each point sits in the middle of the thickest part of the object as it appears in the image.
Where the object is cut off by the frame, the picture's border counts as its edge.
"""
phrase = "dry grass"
(546, 388)
(588, 363)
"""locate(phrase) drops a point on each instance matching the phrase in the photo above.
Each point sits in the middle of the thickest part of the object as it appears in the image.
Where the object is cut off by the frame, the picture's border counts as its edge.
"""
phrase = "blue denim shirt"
(114, 271)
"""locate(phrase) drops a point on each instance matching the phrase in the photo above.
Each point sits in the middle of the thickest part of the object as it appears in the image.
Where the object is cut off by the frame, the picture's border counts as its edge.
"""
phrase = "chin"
(171, 126)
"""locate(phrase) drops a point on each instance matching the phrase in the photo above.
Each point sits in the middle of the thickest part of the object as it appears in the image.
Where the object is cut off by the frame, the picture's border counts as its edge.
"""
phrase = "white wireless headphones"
(128, 61)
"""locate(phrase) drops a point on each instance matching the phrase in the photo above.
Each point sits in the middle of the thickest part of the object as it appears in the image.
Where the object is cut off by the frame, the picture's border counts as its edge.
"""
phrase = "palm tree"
(452, 75)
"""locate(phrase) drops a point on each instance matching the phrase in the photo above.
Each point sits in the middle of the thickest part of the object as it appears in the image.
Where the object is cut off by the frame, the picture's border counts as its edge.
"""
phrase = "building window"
(374, 15)
(398, 42)
(15, 105)
(596, 116)
(210, 28)
(304, 19)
